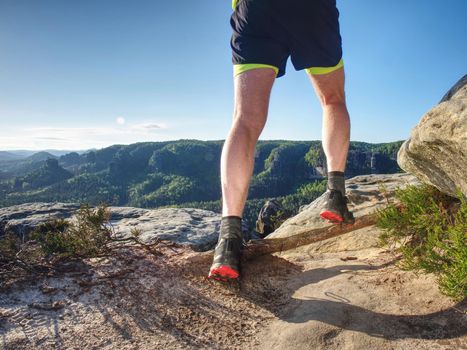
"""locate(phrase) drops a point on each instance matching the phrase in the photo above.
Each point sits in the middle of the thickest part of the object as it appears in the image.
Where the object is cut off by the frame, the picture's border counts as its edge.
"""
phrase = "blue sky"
(91, 73)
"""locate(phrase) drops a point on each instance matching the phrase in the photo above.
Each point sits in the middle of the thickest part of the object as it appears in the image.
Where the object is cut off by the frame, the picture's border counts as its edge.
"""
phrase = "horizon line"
(182, 139)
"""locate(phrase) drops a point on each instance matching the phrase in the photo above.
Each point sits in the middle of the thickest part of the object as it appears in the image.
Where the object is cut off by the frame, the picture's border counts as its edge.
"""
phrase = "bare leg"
(252, 92)
(336, 123)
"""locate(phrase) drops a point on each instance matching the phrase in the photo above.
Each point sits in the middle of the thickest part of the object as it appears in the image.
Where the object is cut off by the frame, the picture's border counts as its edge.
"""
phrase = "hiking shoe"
(226, 263)
(335, 208)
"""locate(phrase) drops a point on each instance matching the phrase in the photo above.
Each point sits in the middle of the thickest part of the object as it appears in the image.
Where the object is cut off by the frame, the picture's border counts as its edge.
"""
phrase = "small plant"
(278, 219)
(429, 228)
(87, 236)
(9, 247)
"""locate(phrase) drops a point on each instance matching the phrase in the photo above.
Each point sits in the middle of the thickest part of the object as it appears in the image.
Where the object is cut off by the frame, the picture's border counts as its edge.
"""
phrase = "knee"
(333, 99)
(252, 127)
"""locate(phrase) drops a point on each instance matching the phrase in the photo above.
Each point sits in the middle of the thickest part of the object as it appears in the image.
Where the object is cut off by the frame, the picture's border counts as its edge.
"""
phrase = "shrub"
(87, 236)
(429, 229)
(9, 247)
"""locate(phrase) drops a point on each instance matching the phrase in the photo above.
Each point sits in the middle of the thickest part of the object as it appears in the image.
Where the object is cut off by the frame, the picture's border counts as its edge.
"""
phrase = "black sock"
(336, 181)
(231, 227)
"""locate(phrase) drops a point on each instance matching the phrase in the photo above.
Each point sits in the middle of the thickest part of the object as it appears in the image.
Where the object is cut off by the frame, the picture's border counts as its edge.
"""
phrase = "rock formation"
(196, 228)
(268, 217)
(366, 194)
(436, 152)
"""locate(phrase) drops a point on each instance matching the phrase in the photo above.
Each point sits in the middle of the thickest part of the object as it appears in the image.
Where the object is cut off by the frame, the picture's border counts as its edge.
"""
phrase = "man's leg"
(252, 92)
(336, 122)
(336, 136)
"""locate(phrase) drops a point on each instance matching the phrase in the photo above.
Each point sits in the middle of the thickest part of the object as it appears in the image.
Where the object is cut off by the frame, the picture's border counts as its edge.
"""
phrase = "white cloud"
(147, 127)
(120, 120)
(81, 137)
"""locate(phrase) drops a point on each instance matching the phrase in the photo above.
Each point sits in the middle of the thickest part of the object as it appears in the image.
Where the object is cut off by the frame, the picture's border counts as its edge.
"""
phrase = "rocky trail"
(343, 292)
(336, 294)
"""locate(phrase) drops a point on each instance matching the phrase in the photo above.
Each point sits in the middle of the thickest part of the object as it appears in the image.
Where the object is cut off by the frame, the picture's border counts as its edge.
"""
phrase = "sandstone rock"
(366, 193)
(267, 220)
(436, 152)
(460, 87)
(25, 217)
(194, 227)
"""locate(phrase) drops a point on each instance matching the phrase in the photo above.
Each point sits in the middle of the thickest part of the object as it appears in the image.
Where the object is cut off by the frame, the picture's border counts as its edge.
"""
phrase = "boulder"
(366, 193)
(197, 228)
(436, 152)
(194, 227)
(23, 218)
(268, 218)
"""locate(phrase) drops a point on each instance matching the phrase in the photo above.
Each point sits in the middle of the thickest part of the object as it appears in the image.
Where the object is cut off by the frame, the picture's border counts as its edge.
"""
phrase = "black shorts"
(267, 32)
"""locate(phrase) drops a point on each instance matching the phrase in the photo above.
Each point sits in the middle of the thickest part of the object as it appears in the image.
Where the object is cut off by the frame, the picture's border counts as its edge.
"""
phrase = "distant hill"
(23, 153)
(24, 165)
(40, 156)
(49, 174)
(4, 155)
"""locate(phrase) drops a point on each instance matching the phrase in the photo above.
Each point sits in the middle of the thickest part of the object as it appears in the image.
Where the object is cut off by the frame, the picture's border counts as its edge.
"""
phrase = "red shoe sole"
(223, 272)
(329, 215)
